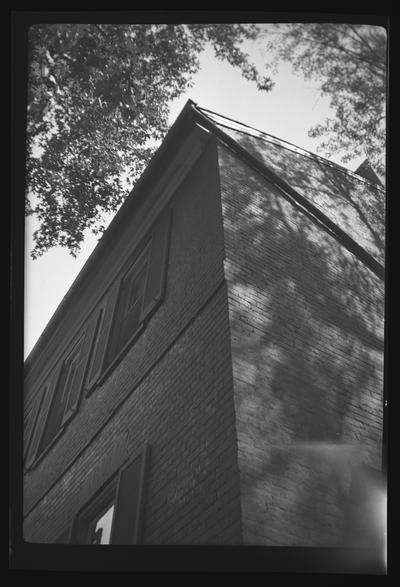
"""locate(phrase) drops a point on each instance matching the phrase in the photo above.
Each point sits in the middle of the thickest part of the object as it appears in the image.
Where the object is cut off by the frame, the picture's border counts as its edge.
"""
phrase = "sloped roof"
(349, 206)
(355, 204)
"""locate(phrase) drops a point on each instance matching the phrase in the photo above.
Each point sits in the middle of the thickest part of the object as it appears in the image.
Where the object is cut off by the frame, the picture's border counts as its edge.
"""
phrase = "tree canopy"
(349, 62)
(99, 97)
(98, 101)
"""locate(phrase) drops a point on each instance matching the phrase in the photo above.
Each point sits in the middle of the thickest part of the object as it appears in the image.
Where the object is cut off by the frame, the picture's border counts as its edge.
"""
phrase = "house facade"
(215, 373)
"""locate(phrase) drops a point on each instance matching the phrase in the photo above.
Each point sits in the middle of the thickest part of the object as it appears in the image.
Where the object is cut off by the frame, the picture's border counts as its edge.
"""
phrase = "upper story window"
(112, 327)
(131, 300)
(63, 395)
(60, 394)
(128, 312)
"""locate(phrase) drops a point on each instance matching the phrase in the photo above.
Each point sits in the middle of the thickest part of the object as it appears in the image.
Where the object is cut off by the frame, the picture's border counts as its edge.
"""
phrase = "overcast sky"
(287, 112)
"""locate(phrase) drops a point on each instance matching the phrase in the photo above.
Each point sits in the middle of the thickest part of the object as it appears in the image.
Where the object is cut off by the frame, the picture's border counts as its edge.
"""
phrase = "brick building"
(215, 373)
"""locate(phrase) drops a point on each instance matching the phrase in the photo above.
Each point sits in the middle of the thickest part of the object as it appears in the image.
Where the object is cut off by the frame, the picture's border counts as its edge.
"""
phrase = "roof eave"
(179, 128)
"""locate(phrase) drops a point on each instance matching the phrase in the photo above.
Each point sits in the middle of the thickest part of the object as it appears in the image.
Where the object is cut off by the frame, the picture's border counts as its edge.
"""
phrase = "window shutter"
(130, 501)
(127, 328)
(89, 385)
(157, 274)
(31, 420)
(99, 351)
(41, 418)
(123, 292)
(126, 321)
(84, 353)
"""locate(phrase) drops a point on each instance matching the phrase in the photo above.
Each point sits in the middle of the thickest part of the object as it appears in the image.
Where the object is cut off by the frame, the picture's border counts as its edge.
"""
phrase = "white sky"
(287, 112)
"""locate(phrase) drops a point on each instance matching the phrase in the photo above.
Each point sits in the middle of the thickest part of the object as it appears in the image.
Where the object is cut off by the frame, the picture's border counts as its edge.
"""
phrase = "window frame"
(97, 332)
(110, 493)
(59, 393)
(133, 266)
(90, 378)
(47, 390)
(158, 242)
(78, 341)
(99, 503)
(33, 416)
(50, 388)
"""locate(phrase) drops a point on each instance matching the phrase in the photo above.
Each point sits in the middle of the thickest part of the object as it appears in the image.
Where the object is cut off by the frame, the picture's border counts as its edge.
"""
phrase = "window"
(60, 394)
(94, 355)
(96, 520)
(30, 421)
(129, 305)
(131, 299)
(45, 394)
(113, 326)
(100, 529)
(115, 514)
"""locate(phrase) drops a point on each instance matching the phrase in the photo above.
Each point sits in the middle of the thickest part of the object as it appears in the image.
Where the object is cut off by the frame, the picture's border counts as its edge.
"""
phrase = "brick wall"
(250, 372)
(173, 389)
(354, 204)
(307, 342)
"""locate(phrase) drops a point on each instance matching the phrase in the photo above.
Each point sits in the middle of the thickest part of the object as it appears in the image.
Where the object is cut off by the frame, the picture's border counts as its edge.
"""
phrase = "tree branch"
(333, 44)
(365, 42)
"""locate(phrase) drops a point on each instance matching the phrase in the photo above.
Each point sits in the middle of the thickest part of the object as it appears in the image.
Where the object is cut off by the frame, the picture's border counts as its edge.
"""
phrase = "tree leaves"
(98, 98)
(350, 63)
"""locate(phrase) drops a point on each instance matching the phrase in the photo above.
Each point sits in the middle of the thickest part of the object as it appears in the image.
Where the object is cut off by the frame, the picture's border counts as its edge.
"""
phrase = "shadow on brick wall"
(307, 342)
(357, 206)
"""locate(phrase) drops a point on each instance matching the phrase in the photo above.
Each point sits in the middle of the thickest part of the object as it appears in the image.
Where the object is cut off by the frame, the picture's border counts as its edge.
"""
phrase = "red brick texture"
(306, 322)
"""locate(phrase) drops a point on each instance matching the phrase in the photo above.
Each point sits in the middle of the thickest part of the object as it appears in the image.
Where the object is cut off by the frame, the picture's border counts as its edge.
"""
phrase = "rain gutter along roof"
(293, 195)
(235, 125)
(189, 114)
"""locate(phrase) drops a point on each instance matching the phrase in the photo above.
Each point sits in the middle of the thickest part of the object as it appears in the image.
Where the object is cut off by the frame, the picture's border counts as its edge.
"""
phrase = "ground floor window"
(95, 522)
(114, 515)
(100, 529)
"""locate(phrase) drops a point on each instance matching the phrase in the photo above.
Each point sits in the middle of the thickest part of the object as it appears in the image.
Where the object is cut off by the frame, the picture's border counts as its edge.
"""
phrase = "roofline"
(177, 127)
(252, 131)
(291, 194)
(192, 113)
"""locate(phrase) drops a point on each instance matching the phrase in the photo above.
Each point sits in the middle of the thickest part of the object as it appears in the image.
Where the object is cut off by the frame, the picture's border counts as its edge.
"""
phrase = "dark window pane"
(100, 348)
(137, 287)
(129, 305)
(64, 386)
(156, 280)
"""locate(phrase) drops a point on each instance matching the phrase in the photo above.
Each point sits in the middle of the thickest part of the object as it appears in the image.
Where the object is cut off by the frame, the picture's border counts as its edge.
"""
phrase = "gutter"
(293, 196)
(189, 114)
(241, 127)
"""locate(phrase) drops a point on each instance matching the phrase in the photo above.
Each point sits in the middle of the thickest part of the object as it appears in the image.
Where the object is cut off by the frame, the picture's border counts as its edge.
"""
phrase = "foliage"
(98, 102)
(349, 61)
